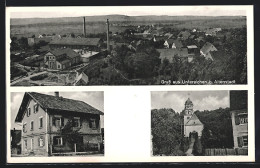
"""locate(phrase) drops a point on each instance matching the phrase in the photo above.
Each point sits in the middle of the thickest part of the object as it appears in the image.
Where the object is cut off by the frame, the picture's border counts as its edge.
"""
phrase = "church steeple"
(188, 107)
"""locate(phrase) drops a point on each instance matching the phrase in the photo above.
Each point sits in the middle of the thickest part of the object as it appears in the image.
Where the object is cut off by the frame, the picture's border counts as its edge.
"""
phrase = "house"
(82, 80)
(192, 49)
(159, 38)
(239, 116)
(86, 55)
(45, 116)
(60, 59)
(212, 31)
(191, 122)
(168, 35)
(184, 35)
(206, 49)
(169, 54)
(171, 43)
(76, 43)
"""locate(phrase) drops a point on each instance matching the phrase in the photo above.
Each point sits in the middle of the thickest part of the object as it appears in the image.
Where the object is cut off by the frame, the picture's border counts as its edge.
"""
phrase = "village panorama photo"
(127, 45)
(199, 123)
(57, 124)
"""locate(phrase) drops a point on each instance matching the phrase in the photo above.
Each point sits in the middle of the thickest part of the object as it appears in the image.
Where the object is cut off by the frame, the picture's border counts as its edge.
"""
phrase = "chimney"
(84, 27)
(108, 44)
(56, 94)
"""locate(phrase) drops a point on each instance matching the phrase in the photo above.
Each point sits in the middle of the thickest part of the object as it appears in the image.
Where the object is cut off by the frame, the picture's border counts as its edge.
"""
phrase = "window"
(36, 108)
(40, 122)
(32, 143)
(188, 118)
(58, 121)
(58, 66)
(31, 125)
(25, 144)
(57, 140)
(241, 119)
(41, 141)
(94, 123)
(76, 122)
(24, 127)
(28, 111)
(245, 141)
(242, 141)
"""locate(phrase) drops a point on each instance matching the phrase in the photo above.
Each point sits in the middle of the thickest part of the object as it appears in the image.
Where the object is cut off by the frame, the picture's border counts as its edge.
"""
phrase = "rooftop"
(55, 103)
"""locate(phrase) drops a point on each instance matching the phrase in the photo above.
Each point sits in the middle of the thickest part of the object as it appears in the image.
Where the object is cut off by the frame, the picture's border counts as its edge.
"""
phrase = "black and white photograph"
(57, 124)
(128, 45)
(199, 123)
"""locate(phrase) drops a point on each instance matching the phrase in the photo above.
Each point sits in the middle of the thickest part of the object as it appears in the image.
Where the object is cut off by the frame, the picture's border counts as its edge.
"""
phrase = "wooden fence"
(226, 151)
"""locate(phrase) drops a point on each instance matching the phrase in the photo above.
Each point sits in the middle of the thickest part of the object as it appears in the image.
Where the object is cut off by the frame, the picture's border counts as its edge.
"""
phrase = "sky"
(95, 99)
(202, 100)
(48, 12)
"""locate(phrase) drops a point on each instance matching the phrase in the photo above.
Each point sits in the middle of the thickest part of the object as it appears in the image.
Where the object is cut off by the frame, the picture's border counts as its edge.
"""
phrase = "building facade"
(44, 118)
(192, 124)
(239, 116)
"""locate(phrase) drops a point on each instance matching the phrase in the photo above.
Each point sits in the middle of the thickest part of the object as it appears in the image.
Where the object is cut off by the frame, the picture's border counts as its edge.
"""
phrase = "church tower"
(191, 122)
(188, 110)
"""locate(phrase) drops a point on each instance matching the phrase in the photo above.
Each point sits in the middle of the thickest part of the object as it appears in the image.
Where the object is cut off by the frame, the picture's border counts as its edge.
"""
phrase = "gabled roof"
(194, 120)
(82, 77)
(76, 41)
(207, 47)
(184, 34)
(171, 52)
(55, 103)
(68, 51)
(63, 60)
(44, 49)
(160, 38)
(177, 43)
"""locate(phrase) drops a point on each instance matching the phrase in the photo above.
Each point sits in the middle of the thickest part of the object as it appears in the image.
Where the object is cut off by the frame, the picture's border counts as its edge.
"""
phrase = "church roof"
(188, 101)
(194, 120)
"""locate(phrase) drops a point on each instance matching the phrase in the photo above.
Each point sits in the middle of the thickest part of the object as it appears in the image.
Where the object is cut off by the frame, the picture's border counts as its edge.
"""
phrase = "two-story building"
(44, 118)
(238, 110)
(60, 59)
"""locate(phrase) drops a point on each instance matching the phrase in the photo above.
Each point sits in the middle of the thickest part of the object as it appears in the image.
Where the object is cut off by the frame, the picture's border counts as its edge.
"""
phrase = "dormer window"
(28, 111)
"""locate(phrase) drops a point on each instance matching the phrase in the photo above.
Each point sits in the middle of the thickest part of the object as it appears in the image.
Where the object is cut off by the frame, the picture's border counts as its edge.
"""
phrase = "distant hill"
(117, 18)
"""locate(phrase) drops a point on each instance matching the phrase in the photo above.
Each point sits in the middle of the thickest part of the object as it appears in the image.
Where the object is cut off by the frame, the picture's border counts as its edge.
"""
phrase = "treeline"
(167, 133)
(217, 132)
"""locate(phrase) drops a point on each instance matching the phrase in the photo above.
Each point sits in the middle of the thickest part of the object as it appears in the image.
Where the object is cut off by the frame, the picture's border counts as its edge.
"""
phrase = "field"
(28, 27)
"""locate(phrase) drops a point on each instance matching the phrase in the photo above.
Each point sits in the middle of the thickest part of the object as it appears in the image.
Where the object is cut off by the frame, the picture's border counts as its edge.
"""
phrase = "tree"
(23, 43)
(71, 134)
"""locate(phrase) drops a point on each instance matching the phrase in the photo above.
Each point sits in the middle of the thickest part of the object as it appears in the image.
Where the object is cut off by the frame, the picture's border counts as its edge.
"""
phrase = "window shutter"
(53, 121)
(237, 122)
(62, 121)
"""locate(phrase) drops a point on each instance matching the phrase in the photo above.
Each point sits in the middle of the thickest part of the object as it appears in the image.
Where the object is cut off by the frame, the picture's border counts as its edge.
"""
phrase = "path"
(189, 151)
(28, 77)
